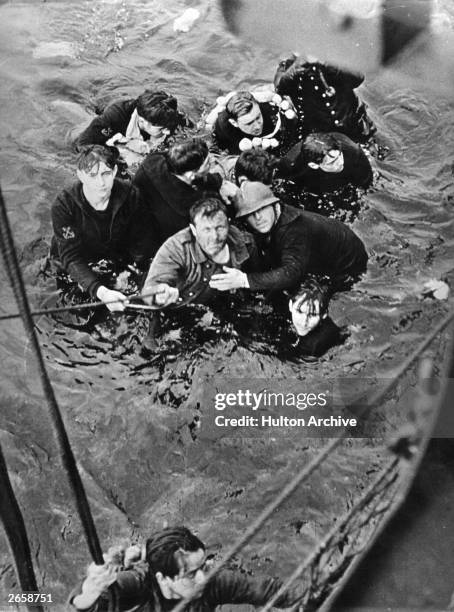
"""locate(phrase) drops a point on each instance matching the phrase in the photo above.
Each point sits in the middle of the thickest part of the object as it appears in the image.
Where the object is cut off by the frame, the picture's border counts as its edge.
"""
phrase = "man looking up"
(100, 217)
(188, 260)
(171, 183)
(174, 567)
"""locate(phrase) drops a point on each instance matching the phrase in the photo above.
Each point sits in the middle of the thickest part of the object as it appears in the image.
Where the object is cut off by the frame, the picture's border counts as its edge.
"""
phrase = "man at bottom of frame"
(173, 567)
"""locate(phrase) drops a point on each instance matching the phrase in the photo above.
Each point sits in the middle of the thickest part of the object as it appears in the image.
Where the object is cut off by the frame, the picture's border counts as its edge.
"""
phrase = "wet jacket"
(320, 112)
(137, 588)
(79, 239)
(304, 243)
(114, 119)
(181, 263)
(167, 197)
(227, 136)
(357, 169)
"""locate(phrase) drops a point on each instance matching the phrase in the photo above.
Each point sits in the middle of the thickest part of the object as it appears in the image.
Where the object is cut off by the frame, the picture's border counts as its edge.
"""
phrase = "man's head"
(176, 557)
(322, 151)
(209, 225)
(158, 113)
(255, 165)
(96, 170)
(244, 113)
(190, 158)
(257, 206)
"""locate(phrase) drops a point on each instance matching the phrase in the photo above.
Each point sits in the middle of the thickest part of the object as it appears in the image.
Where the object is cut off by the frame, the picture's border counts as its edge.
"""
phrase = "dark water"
(132, 422)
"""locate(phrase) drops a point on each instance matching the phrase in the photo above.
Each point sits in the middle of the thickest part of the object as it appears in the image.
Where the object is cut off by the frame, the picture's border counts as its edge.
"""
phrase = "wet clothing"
(113, 120)
(357, 169)
(303, 243)
(167, 197)
(325, 99)
(123, 232)
(181, 263)
(136, 587)
(227, 136)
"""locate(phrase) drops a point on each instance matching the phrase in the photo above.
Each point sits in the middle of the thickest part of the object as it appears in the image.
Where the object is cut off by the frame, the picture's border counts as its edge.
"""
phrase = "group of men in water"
(193, 224)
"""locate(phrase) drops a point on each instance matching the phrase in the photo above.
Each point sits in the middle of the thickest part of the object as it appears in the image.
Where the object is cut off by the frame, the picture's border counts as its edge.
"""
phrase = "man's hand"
(228, 191)
(160, 295)
(230, 279)
(109, 295)
(99, 578)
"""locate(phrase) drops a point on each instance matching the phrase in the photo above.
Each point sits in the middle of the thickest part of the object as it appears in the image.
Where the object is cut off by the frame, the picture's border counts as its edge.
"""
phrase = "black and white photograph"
(226, 323)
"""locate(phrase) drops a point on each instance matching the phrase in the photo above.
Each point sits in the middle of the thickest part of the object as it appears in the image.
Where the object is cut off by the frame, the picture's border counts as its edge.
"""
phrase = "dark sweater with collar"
(114, 119)
(357, 170)
(181, 263)
(136, 587)
(167, 197)
(302, 243)
(82, 235)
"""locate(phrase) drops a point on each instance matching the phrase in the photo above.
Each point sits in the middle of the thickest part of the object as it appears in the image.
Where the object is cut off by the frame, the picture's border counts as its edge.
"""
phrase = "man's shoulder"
(122, 107)
(155, 165)
(178, 241)
(69, 197)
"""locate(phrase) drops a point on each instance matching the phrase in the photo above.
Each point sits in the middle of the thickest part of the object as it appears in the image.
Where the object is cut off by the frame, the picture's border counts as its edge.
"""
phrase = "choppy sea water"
(131, 422)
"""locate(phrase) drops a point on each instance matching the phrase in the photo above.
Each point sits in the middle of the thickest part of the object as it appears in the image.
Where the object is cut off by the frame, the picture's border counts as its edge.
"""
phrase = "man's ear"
(192, 228)
(290, 305)
(79, 175)
(313, 165)
(233, 122)
(115, 170)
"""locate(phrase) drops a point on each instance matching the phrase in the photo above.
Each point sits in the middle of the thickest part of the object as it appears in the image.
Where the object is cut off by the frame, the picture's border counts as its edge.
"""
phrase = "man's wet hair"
(187, 155)
(256, 165)
(93, 155)
(159, 108)
(316, 146)
(161, 549)
(241, 103)
(208, 206)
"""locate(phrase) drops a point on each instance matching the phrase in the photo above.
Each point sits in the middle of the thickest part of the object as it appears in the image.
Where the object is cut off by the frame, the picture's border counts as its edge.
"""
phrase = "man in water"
(171, 183)
(301, 252)
(173, 567)
(256, 165)
(246, 123)
(141, 124)
(324, 98)
(100, 218)
(324, 163)
(188, 260)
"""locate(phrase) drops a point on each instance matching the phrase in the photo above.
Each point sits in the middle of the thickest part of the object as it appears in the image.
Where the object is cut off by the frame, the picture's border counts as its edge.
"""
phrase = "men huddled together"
(194, 234)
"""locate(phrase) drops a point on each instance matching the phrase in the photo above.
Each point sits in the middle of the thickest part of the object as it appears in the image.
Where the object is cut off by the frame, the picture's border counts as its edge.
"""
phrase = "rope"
(69, 463)
(314, 464)
(16, 533)
(88, 305)
(366, 497)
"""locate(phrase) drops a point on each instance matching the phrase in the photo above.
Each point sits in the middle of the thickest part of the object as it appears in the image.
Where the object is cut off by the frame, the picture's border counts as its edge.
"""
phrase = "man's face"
(98, 181)
(211, 232)
(333, 161)
(154, 131)
(191, 576)
(252, 122)
(262, 220)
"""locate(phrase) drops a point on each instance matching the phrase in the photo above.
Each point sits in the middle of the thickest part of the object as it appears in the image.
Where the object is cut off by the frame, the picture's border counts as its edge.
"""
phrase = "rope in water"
(306, 472)
(12, 266)
(88, 305)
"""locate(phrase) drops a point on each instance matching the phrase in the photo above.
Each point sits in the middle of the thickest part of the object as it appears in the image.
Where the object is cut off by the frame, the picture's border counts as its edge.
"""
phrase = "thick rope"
(16, 533)
(306, 472)
(12, 265)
